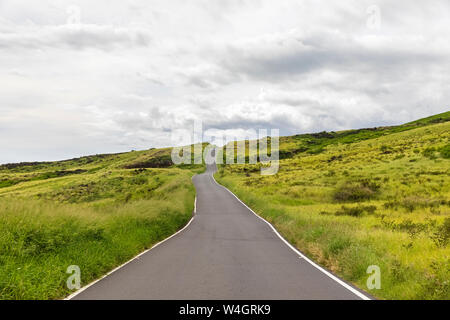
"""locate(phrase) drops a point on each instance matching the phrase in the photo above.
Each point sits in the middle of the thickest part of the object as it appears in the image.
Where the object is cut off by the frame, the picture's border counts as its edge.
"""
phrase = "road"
(226, 252)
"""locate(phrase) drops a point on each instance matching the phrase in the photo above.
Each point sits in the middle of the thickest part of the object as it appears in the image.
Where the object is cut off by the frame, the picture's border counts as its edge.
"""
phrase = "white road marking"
(195, 205)
(301, 255)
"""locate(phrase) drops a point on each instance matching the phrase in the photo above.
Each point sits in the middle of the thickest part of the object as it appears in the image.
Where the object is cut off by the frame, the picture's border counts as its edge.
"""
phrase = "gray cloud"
(130, 73)
(293, 53)
(76, 37)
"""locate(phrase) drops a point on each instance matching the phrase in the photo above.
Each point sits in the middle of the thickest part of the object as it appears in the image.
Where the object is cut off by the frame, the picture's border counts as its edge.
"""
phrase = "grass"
(363, 197)
(95, 212)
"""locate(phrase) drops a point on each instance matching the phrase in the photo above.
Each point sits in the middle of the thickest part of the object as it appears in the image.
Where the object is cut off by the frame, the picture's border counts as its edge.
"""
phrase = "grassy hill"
(348, 199)
(95, 212)
(351, 199)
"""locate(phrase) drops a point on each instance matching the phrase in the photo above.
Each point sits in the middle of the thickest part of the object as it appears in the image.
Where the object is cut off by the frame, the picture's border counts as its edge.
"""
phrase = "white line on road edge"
(136, 257)
(332, 276)
(195, 205)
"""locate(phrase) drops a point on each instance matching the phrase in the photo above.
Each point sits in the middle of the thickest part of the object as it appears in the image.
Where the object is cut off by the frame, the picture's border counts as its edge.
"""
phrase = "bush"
(412, 203)
(412, 228)
(7, 183)
(429, 152)
(445, 152)
(157, 162)
(441, 236)
(352, 211)
(355, 211)
(351, 192)
(385, 149)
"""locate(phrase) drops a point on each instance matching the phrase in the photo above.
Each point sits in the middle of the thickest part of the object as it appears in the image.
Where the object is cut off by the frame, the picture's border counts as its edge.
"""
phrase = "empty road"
(226, 252)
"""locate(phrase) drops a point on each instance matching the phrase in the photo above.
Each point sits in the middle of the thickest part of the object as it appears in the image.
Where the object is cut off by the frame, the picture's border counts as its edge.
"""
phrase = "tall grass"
(95, 219)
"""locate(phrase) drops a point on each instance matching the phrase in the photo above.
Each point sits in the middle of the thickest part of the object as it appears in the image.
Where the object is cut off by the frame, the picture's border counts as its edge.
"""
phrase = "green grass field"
(357, 198)
(95, 212)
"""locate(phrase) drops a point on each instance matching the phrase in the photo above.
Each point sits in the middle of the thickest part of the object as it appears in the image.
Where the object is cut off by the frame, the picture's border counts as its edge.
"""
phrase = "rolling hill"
(356, 198)
(349, 200)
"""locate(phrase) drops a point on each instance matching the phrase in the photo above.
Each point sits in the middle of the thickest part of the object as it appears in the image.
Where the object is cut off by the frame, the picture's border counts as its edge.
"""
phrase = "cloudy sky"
(87, 77)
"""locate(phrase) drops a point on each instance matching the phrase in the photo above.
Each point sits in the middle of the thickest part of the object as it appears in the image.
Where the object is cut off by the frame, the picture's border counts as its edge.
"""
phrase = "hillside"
(95, 212)
(351, 199)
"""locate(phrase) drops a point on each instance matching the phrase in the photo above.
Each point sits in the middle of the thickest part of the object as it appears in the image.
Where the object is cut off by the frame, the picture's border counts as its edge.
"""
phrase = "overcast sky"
(87, 77)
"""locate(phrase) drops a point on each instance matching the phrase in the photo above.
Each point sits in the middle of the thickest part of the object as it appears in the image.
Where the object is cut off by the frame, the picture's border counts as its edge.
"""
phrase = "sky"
(90, 77)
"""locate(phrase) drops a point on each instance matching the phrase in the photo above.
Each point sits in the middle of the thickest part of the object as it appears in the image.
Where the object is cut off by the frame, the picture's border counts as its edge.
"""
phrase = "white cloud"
(127, 73)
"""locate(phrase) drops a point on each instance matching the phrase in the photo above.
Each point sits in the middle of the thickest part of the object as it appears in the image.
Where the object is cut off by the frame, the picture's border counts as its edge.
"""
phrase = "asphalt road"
(226, 252)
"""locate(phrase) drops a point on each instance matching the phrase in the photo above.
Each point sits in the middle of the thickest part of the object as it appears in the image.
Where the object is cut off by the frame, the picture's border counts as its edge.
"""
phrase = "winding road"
(226, 252)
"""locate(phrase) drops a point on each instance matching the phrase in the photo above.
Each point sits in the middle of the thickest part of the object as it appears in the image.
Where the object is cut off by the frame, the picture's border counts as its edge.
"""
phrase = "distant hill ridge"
(318, 141)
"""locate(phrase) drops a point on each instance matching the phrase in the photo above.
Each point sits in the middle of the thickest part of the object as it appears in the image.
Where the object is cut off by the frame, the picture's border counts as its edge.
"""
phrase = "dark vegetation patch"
(57, 174)
(441, 236)
(286, 154)
(4, 183)
(386, 149)
(34, 166)
(357, 211)
(140, 171)
(42, 176)
(413, 203)
(335, 158)
(445, 152)
(164, 161)
(412, 228)
(10, 166)
(430, 153)
(356, 191)
(35, 242)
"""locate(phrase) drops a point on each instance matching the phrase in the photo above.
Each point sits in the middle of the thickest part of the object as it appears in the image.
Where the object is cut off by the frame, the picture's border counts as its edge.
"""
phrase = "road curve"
(227, 252)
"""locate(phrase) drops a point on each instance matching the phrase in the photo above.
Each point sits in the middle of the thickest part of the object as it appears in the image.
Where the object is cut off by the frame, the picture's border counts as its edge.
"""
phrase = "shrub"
(7, 183)
(355, 211)
(350, 211)
(335, 158)
(407, 225)
(445, 152)
(370, 209)
(441, 236)
(412, 203)
(363, 190)
(429, 153)
(370, 184)
(157, 162)
(139, 180)
(391, 205)
(385, 149)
